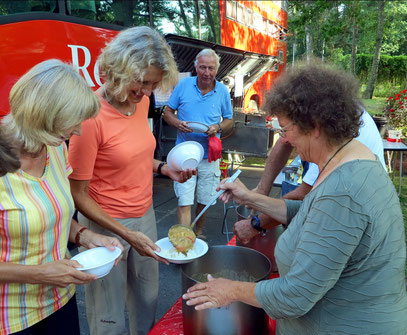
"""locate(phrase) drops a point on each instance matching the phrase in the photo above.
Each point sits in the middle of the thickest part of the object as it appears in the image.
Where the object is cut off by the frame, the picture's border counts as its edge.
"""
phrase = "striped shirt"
(35, 218)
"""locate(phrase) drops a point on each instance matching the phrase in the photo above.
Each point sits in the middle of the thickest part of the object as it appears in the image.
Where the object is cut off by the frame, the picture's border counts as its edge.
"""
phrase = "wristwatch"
(220, 128)
(256, 224)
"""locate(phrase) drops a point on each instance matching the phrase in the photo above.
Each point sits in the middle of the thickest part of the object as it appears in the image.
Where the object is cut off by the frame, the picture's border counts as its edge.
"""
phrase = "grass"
(375, 105)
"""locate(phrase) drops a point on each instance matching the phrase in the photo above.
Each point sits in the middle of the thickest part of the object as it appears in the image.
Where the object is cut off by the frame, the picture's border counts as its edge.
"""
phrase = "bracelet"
(160, 167)
(78, 236)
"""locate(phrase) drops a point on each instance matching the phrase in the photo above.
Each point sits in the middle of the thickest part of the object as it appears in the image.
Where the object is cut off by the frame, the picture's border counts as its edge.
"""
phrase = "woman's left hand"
(90, 239)
(217, 292)
(179, 176)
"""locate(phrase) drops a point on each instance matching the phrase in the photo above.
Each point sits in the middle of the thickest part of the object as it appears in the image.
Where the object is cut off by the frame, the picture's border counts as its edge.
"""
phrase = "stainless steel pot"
(237, 318)
(263, 243)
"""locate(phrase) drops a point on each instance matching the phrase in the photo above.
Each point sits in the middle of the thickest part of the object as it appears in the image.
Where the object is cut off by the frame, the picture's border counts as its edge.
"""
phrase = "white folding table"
(390, 148)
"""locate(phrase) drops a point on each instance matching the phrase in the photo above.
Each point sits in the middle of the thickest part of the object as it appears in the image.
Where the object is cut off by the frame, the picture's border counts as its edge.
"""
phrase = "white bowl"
(168, 251)
(186, 155)
(97, 261)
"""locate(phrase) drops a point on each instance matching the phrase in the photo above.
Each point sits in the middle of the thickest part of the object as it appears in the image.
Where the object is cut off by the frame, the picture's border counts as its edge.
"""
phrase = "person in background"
(112, 180)
(342, 257)
(201, 99)
(47, 106)
(9, 154)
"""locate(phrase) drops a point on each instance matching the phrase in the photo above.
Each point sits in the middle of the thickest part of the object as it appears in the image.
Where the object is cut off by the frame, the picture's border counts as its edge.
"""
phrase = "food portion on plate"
(182, 238)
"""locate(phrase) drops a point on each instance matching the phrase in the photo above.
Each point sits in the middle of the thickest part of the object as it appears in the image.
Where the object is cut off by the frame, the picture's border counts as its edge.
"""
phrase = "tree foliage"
(183, 16)
(339, 29)
(333, 30)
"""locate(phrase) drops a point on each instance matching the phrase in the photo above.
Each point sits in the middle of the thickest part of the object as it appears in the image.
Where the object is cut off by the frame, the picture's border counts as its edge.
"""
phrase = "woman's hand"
(212, 294)
(234, 191)
(144, 245)
(179, 176)
(61, 273)
(90, 239)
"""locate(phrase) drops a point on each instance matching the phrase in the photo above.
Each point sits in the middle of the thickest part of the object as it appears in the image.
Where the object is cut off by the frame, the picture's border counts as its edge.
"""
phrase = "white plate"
(168, 251)
(198, 127)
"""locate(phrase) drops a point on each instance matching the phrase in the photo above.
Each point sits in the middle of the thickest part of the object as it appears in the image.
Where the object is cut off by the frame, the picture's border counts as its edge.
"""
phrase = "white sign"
(238, 85)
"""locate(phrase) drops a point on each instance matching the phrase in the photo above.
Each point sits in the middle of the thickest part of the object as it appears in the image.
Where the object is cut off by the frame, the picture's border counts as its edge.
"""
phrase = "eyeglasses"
(282, 131)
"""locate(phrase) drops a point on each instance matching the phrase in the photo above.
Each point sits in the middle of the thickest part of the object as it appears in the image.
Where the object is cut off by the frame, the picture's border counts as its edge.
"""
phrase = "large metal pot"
(237, 318)
(265, 243)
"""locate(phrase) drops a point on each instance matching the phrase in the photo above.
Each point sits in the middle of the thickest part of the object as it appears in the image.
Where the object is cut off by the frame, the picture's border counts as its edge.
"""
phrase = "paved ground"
(165, 205)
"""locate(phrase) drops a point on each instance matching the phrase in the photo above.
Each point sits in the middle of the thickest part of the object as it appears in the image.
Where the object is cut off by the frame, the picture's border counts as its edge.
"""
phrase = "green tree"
(368, 93)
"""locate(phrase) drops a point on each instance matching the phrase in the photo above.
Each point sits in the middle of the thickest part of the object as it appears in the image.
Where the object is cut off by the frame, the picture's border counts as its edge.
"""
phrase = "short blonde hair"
(127, 58)
(46, 101)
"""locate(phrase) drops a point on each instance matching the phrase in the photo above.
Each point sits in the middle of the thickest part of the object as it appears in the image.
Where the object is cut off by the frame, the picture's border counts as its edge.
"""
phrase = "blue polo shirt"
(191, 105)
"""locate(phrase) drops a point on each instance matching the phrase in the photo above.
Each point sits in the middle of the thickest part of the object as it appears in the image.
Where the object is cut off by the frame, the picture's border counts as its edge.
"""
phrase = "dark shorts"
(64, 321)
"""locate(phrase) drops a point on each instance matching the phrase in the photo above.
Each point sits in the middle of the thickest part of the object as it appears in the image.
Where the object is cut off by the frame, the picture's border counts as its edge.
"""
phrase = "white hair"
(207, 52)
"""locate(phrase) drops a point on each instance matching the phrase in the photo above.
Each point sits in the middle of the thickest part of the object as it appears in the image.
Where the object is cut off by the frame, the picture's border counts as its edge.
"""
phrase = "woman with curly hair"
(342, 257)
(112, 181)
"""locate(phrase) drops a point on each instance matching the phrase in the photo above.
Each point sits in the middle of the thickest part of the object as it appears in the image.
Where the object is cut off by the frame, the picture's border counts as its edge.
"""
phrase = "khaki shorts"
(205, 184)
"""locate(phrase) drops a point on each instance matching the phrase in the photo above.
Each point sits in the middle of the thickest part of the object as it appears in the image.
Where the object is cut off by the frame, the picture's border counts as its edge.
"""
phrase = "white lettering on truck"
(84, 67)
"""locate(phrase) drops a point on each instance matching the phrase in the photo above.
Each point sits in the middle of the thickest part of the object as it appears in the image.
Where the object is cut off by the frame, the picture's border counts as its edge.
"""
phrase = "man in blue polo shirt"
(201, 99)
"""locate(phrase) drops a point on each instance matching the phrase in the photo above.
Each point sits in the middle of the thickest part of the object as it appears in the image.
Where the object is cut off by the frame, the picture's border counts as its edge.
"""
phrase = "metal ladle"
(183, 237)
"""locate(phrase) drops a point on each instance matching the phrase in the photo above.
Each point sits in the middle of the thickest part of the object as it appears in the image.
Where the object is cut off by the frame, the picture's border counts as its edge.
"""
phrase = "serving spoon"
(183, 237)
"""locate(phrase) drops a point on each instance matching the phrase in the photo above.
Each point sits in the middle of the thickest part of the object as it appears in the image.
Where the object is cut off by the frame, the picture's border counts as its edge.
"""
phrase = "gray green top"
(342, 258)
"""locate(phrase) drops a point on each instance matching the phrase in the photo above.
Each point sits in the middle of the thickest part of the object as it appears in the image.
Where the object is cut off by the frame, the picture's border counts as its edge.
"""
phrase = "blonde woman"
(113, 178)
(47, 106)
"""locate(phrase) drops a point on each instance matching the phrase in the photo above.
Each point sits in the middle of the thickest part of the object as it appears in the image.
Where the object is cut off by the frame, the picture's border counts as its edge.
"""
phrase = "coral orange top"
(115, 152)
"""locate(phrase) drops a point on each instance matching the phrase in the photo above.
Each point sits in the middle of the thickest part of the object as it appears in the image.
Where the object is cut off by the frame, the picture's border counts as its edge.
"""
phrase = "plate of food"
(169, 252)
(198, 127)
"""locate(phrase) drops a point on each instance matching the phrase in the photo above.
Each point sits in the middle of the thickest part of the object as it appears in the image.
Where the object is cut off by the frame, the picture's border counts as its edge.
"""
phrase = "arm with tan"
(60, 273)
(275, 162)
(299, 193)
(275, 208)
(91, 209)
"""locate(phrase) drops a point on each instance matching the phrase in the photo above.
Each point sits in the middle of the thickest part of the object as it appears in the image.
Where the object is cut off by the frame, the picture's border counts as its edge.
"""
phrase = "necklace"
(336, 152)
(110, 102)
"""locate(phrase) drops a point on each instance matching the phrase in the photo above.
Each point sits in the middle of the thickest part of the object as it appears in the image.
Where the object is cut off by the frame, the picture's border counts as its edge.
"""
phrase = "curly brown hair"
(318, 95)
